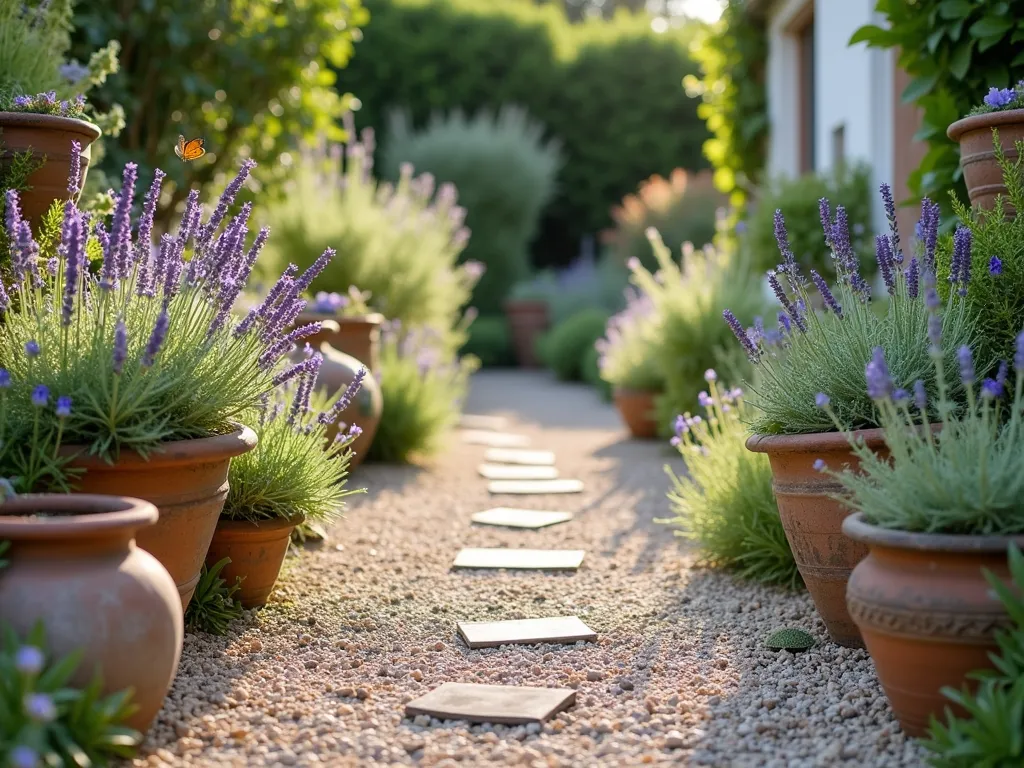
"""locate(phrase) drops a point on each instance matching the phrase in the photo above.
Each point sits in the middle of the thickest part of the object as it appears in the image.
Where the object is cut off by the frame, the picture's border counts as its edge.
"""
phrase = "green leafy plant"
(489, 341)
(422, 387)
(799, 199)
(955, 51)
(628, 352)
(45, 721)
(789, 639)
(991, 734)
(725, 501)
(823, 352)
(564, 347)
(213, 606)
(505, 172)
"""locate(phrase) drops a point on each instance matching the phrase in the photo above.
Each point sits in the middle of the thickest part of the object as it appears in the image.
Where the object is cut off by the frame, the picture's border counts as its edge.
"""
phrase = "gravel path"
(366, 623)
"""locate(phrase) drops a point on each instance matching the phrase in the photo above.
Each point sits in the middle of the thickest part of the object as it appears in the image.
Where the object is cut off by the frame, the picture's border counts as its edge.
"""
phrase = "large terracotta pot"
(49, 138)
(813, 520)
(74, 566)
(982, 174)
(188, 482)
(637, 410)
(527, 322)
(257, 553)
(927, 614)
(355, 336)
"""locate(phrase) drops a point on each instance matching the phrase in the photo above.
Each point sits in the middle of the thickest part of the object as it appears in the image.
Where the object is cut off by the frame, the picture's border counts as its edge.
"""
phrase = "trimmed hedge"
(610, 91)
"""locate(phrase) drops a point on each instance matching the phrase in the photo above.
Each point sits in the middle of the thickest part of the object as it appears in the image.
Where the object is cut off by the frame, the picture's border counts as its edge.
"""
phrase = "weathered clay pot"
(188, 482)
(74, 566)
(813, 520)
(527, 322)
(49, 138)
(982, 174)
(637, 410)
(257, 553)
(927, 614)
(355, 336)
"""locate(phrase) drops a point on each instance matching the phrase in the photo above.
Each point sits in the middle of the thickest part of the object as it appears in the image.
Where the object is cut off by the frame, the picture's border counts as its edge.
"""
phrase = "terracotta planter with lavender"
(257, 551)
(48, 138)
(637, 409)
(982, 174)
(527, 321)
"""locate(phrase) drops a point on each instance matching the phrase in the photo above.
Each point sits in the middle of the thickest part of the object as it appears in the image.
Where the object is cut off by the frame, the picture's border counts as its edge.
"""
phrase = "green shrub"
(399, 242)
(630, 347)
(586, 282)
(591, 372)
(565, 347)
(682, 208)
(489, 342)
(505, 173)
(798, 199)
(725, 502)
(608, 90)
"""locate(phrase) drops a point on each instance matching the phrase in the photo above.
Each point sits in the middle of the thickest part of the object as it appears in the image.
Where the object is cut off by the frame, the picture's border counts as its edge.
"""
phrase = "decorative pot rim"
(987, 120)
(272, 525)
(858, 529)
(86, 513)
(813, 441)
(522, 304)
(54, 122)
(172, 453)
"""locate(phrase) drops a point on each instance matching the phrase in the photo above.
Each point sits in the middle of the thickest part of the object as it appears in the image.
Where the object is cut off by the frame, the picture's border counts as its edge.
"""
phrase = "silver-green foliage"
(628, 352)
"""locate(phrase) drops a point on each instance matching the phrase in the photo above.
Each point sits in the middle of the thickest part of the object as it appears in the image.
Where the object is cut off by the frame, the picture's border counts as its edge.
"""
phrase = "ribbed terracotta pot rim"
(55, 122)
(84, 513)
(814, 441)
(250, 528)
(988, 120)
(858, 529)
(523, 304)
(172, 453)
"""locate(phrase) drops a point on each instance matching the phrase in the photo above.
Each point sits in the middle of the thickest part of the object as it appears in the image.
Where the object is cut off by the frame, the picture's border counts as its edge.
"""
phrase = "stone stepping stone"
(516, 456)
(494, 439)
(501, 704)
(474, 421)
(516, 472)
(531, 487)
(491, 634)
(520, 559)
(520, 518)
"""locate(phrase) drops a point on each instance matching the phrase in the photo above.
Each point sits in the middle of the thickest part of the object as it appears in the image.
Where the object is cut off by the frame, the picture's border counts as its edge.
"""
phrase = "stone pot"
(637, 409)
(187, 480)
(74, 565)
(982, 174)
(527, 322)
(49, 138)
(257, 551)
(927, 614)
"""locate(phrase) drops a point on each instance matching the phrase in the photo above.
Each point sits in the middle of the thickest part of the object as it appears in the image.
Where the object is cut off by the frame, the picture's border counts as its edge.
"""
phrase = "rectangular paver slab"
(505, 704)
(520, 559)
(557, 629)
(563, 485)
(494, 439)
(475, 421)
(518, 456)
(509, 517)
(516, 472)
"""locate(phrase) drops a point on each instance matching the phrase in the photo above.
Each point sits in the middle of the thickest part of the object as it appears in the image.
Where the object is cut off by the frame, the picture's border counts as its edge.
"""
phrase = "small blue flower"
(705, 400)
(920, 396)
(822, 400)
(900, 395)
(995, 266)
(32, 348)
(999, 97)
(5, 378)
(992, 389)
(40, 707)
(820, 465)
(29, 660)
(23, 757)
(63, 406)
(966, 361)
(40, 396)
(710, 375)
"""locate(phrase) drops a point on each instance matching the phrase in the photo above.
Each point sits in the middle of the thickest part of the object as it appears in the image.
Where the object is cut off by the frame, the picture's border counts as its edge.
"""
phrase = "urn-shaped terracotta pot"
(982, 175)
(74, 565)
(637, 409)
(257, 551)
(48, 138)
(187, 480)
(527, 321)
(926, 612)
(356, 336)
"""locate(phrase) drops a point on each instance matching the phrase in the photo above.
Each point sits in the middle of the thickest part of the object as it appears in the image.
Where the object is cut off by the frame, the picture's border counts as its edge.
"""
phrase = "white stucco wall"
(783, 95)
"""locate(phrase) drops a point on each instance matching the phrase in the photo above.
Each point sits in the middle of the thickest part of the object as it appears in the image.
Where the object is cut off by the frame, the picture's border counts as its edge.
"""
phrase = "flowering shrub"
(145, 349)
(725, 501)
(1001, 99)
(628, 353)
(47, 104)
(824, 351)
(45, 722)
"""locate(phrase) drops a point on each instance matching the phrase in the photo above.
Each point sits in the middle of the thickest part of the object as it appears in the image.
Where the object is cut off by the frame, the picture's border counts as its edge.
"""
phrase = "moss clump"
(793, 640)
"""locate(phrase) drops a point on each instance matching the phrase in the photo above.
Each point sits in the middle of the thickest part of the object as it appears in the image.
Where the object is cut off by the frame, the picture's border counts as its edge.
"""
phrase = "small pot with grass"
(528, 315)
(809, 392)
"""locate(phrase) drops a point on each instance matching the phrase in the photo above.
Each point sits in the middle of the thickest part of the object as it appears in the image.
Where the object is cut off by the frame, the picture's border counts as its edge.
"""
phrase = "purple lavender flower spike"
(884, 257)
(740, 334)
(785, 324)
(930, 221)
(876, 372)
(782, 238)
(300, 402)
(995, 266)
(261, 312)
(890, 215)
(899, 395)
(307, 277)
(826, 294)
(843, 250)
(29, 251)
(966, 362)
(992, 389)
(934, 334)
(116, 249)
(298, 369)
(75, 171)
(780, 294)
(120, 346)
(32, 348)
(13, 221)
(143, 247)
(331, 416)
(960, 267)
(1003, 372)
(1018, 355)
(825, 213)
(63, 407)
(273, 353)
(73, 242)
(190, 217)
(156, 339)
(913, 275)
(226, 199)
(5, 300)
(40, 395)
(242, 275)
(920, 396)
(821, 400)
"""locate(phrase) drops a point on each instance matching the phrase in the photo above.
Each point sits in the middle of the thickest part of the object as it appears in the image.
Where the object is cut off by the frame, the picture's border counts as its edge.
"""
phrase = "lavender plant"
(725, 501)
(824, 350)
(147, 349)
(628, 352)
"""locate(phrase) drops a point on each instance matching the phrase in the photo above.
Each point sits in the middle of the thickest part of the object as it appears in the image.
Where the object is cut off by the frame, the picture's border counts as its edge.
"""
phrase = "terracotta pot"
(927, 614)
(637, 410)
(527, 321)
(257, 553)
(74, 566)
(188, 482)
(49, 138)
(813, 520)
(982, 175)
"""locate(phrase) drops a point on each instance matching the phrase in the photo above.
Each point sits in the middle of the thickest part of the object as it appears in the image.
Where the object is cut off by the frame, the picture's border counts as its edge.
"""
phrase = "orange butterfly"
(189, 150)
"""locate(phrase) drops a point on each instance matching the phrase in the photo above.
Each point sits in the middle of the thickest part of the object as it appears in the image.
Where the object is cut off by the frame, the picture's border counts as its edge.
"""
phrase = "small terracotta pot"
(49, 138)
(813, 520)
(527, 322)
(927, 614)
(74, 566)
(188, 482)
(257, 553)
(982, 174)
(637, 410)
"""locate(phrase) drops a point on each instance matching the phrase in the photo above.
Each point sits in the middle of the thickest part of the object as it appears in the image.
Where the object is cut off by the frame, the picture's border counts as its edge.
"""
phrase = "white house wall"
(783, 95)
